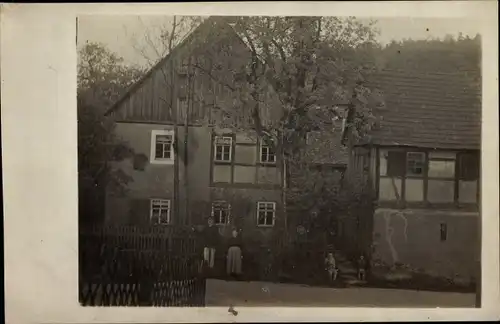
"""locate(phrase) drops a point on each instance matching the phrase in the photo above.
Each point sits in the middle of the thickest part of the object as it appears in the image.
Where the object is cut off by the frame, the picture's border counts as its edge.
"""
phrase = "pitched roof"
(432, 110)
(207, 23)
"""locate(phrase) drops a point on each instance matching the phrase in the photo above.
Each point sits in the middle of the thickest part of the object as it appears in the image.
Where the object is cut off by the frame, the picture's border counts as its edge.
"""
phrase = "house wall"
(413, 237)
(157, 180)
(440, 184)
(244, 212)
(414, 209)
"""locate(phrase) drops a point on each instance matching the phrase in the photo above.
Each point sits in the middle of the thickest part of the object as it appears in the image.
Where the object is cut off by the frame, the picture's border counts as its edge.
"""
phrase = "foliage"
(102, 75)
(448, 55)
(289, 66)
(269, 72)
(102, 78)
(282, 77)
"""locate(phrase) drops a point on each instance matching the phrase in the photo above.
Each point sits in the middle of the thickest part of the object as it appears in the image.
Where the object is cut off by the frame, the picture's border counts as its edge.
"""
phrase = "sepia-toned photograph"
(281, 161)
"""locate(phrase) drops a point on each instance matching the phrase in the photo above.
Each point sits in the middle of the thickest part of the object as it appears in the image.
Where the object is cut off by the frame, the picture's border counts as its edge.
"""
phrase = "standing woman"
(234, 255)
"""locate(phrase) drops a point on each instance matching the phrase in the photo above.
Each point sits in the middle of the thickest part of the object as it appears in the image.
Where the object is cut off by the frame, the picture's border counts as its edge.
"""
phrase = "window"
(415, 162)
(441, 165)
(160, 211)
(468, 166)
(441, 169)
(220, 212)
(162, 147)
(266, 213)
(444, 232)
(267, 154)
(396, 164)
(223, 148)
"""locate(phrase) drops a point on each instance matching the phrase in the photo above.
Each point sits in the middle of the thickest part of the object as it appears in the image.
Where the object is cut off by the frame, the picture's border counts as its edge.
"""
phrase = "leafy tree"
(279, 77)
(102, 78)
(297, 74)
(288, 65)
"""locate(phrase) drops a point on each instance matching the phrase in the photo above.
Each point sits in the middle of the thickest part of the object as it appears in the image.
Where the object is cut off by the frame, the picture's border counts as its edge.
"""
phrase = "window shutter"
(140, 212)
(396, 164)
(469, 167)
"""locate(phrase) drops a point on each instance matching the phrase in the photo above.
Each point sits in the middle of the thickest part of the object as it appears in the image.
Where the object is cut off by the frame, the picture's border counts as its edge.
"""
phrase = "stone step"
(354, 282)
(348, 277)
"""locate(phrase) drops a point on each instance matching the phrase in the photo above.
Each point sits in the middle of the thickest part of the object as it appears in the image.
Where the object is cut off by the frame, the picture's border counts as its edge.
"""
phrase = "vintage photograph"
(278, 161)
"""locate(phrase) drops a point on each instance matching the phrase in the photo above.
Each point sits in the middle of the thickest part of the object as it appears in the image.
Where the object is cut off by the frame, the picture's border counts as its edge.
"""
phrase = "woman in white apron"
(234, 255)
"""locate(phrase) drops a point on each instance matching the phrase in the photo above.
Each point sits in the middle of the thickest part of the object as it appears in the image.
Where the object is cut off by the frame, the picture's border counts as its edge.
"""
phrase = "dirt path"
(225, 293)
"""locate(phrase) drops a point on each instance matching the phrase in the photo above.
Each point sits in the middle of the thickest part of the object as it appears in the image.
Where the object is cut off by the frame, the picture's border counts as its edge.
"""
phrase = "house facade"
(423, 163)
(171, 120)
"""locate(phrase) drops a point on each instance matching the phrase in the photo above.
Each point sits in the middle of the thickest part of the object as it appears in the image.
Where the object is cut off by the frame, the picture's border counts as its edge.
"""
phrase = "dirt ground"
(238, 293)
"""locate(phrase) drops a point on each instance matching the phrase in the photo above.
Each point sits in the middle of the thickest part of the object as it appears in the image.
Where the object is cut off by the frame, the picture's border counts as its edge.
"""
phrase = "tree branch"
(207, 72)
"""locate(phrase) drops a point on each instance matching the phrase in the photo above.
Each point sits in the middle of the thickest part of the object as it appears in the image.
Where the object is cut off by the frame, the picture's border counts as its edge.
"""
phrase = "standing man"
(211, 237)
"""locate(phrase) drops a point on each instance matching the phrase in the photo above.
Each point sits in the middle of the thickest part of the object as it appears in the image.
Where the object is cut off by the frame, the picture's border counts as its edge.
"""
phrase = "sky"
(126, 35)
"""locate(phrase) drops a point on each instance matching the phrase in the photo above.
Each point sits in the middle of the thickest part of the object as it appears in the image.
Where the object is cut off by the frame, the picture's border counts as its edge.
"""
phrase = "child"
(331, 267)
(361, 268)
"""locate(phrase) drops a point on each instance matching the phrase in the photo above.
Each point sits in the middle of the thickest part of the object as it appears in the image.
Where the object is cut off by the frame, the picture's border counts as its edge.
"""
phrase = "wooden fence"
(150, 266)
